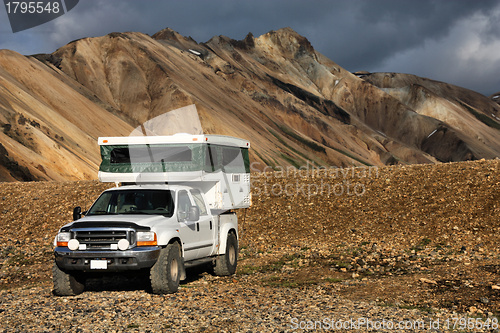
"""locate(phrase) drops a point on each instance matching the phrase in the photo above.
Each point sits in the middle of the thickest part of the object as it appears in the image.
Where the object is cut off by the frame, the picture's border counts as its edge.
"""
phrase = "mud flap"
(182, 270)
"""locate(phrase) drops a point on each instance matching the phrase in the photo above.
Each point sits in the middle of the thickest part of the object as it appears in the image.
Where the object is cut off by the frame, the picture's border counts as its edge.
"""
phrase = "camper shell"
(218, 165)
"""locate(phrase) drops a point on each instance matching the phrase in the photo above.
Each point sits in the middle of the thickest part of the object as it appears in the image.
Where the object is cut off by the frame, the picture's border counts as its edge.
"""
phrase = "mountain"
(296, 106)
(496, 97)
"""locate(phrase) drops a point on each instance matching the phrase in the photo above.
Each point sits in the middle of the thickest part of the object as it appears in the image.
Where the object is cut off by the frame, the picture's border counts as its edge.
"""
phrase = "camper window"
(146, 154)
(232, 158)
(211, 159)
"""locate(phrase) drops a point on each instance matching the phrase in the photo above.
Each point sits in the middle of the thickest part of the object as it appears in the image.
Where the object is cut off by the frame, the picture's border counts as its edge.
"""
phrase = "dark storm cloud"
(376, 30)
(419, 37)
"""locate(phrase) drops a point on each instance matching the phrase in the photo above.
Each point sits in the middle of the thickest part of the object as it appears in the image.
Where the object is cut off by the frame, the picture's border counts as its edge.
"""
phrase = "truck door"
(206, 225)
(187, 229)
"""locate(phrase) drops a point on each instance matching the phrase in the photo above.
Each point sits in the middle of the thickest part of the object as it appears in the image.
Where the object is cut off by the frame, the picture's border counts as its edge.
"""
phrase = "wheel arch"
(172, 240)
(228, 229)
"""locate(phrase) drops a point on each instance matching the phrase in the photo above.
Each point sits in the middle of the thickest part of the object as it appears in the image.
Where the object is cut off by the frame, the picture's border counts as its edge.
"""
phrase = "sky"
(455, 41)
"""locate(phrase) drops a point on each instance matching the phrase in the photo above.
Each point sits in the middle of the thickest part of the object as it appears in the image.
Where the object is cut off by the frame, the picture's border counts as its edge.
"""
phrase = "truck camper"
(172, 207)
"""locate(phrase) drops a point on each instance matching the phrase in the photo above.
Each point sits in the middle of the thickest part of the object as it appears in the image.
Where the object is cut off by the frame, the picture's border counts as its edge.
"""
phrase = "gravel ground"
(417, 247)
(209, 305)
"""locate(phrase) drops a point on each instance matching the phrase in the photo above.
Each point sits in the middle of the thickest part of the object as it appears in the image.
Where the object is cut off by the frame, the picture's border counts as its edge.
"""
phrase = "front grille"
(103, 238)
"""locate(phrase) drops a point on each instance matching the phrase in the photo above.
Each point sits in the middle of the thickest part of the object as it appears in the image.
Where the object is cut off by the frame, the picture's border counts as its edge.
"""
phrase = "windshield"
(156, 202)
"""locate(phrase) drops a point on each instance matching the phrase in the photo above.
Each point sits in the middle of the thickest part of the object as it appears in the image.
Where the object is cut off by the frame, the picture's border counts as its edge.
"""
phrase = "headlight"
(146, 238)
(63, 238)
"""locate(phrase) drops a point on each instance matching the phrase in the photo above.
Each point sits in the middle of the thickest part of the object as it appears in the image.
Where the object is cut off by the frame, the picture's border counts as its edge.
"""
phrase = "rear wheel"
(165, 273)
(66, 284)
(225, 264)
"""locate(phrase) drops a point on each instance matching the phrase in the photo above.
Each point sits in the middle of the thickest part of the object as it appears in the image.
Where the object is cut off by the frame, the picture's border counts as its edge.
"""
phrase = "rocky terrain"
(404, 244)
(293, 103)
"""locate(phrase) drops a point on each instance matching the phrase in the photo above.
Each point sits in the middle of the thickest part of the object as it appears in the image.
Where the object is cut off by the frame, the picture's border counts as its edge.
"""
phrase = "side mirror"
(194, 213)
(77, 213)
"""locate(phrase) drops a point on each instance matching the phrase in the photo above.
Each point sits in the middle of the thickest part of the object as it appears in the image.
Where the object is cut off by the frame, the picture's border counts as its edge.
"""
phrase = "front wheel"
(66, 284)
(165, 273)
(225, 264)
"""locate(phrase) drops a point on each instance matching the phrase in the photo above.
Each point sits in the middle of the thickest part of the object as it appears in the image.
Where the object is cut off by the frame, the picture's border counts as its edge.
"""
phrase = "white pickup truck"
(177, 211)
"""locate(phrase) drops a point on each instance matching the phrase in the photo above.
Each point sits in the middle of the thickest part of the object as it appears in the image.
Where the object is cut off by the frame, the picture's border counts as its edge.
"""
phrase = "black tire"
(66, 284)
(165, 273)
(226, 263)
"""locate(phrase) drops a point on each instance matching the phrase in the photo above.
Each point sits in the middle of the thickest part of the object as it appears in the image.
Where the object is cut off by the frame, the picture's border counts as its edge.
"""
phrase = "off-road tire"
(66, 284)
(225, 264)
(165, 273)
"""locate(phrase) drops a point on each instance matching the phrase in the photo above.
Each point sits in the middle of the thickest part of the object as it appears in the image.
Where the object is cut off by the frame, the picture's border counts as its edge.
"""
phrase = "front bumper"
(133, 259)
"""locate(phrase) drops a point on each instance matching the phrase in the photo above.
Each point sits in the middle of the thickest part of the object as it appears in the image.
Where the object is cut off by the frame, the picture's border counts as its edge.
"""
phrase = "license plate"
(98, 264)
